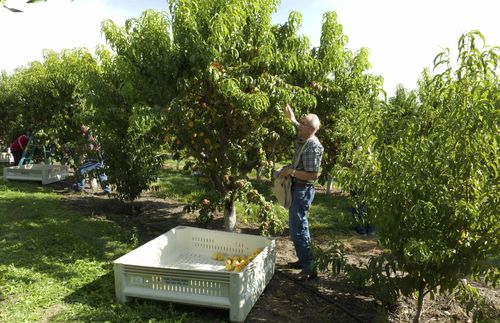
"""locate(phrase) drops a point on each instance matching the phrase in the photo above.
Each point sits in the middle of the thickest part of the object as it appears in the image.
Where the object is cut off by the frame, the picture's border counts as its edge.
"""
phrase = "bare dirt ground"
(326, 299)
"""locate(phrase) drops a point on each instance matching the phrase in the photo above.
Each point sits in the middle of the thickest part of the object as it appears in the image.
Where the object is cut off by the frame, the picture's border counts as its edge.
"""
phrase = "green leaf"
(12, 9)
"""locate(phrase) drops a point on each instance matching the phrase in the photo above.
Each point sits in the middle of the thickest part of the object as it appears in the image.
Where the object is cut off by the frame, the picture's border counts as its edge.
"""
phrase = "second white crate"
(36, 172)
(6, 157)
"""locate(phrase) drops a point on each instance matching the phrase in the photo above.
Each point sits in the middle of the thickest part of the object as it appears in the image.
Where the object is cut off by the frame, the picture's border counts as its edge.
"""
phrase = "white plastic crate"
(178, 267)
(36, 172)
(6, 157)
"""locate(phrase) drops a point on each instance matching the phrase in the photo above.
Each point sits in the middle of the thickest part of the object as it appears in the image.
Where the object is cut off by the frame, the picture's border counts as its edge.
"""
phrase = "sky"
(403, 36)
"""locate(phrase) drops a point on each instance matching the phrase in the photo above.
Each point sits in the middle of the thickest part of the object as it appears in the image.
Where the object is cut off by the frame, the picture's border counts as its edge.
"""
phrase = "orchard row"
(208, 80)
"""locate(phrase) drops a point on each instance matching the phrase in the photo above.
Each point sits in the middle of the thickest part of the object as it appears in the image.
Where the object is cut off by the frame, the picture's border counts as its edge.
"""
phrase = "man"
(92, 162)
(308, 154)
(18, 146)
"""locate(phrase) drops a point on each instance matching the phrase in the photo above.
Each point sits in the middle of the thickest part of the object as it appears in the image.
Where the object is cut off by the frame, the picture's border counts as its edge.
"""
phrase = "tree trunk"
(329, 185)
(257, 171)
(274, 167)
(177, 162)
(229, 216)
(133, 209)
(420, 302)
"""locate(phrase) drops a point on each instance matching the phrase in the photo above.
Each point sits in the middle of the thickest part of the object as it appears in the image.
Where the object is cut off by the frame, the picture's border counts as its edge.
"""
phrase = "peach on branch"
(240, 184)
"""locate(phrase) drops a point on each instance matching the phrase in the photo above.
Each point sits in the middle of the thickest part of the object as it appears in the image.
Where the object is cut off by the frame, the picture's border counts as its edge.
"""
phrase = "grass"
(56, 264)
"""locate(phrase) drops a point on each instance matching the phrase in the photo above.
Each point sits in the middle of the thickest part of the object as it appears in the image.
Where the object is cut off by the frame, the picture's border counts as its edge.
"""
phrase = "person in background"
(92, 162)
(309, 153)
(18, 146)
(359, 210)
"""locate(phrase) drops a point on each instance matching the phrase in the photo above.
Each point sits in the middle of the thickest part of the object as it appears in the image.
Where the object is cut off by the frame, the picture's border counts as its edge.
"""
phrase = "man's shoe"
(295, 265)
(304, 276)
(360, 230)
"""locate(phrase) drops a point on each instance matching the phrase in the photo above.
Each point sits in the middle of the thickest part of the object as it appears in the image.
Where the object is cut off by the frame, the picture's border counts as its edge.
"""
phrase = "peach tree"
(342, 84)
(236, 72)
(128, 95)
(47, 96)
(431, 179)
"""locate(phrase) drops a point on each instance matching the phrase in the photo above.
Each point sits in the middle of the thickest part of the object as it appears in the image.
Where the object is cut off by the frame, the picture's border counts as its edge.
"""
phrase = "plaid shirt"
(92, 149)
(310, 158)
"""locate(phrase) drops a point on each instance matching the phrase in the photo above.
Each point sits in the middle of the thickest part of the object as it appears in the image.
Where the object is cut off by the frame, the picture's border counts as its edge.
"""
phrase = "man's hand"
(289, 113)
(285, 171)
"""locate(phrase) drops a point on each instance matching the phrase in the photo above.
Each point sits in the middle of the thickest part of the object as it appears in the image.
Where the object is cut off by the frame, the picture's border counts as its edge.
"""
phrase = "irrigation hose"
(315, 292)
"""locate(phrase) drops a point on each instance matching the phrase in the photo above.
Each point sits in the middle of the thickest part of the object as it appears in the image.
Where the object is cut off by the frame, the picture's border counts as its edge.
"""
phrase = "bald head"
(313, 121)
(308, 125)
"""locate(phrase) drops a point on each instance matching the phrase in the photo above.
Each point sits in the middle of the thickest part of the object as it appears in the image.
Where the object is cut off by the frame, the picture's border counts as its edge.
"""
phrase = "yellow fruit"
(256, 252)
(218, 256)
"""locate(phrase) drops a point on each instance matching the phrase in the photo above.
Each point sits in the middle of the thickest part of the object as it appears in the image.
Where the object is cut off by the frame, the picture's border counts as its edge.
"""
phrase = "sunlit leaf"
(12, 9)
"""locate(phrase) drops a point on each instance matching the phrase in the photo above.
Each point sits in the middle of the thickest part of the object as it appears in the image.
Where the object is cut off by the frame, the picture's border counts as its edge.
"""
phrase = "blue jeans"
(87, 167)
(302, 197)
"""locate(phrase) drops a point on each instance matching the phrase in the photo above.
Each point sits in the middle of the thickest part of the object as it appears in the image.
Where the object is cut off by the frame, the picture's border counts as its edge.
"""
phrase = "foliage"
(46, 97)
(237, 73)
(475, 303)
(429, 172)
(233, 81)
(328, 213)
(8, 112)
(221, 73)
(2, 2)
(342, 85)
(128, 96)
